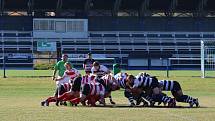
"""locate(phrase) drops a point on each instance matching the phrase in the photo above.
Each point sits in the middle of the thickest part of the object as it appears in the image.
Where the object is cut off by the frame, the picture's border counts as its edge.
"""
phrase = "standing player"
(60, 66)
(88, 63)
(68, 75)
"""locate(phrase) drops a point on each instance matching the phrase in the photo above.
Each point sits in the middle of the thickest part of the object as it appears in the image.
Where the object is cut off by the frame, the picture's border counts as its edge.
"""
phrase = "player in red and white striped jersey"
(90, 94)
(61, 89)
(66, 79)
(70, 95)
(111, 84)
(92, 91)
(69, 74)
(88, 79)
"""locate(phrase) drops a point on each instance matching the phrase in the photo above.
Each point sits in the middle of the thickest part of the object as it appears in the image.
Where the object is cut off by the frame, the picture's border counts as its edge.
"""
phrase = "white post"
(202, 59)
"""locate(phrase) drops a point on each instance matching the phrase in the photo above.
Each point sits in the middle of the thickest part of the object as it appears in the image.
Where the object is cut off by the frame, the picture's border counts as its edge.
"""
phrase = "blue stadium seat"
(95, 35)
(180, 36)
(138, 35)
(24, 35)
(9, 35)
(182, 43)
(167, 44)
(194, 36)
(166, 35)
(208, 36)
(110, 35)
(152, 35)
(124, 35)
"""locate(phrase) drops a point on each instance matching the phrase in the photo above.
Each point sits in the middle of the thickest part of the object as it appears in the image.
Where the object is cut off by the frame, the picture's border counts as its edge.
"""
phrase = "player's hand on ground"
(53, 77)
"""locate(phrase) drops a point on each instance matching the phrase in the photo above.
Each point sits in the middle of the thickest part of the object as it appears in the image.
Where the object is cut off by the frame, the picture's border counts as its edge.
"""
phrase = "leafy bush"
(44, 66)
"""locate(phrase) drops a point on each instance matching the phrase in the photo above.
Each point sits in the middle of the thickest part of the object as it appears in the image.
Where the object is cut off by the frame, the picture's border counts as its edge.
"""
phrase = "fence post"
(4, 67)
(167, 68)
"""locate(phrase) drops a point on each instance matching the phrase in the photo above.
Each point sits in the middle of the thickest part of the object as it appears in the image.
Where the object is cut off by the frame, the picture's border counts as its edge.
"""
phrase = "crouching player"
(60, 90)
(95, 91)
(110, 84)
(122, 82)
(151, 86)
(177, 92)
(91, 93)
(75, 89)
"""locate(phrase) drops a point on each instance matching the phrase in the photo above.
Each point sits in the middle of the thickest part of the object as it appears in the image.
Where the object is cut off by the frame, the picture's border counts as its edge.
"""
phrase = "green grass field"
(20, 101)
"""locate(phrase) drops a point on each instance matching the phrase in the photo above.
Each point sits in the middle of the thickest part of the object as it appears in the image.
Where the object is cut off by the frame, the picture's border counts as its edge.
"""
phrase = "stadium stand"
(122, 29)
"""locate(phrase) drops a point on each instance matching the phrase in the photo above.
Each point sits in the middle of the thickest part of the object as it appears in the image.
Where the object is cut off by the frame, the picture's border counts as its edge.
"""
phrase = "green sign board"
(46, 46)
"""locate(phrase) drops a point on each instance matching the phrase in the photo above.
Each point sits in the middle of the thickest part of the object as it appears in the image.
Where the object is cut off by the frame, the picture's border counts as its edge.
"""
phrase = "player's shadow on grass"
(126, 106)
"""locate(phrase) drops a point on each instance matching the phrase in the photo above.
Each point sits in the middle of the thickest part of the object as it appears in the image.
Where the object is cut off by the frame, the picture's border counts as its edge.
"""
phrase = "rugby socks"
(162, 98)
(186, 99)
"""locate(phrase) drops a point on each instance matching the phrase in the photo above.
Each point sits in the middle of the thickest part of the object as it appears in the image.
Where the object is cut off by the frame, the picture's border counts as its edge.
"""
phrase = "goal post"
(208, 58)
(202, 59)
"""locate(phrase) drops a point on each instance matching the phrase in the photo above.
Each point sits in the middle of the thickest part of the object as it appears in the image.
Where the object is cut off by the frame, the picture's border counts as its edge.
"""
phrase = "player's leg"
(180, 97)
(159, 97)
(130, 97)
(102, 100)
(50, 99)
(146, 98)
(84, 93)
(111, 100)
(65, 97)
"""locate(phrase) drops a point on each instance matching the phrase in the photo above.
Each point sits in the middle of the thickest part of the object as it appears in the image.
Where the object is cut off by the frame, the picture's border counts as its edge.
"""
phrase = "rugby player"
(88, 63)
(176, 90)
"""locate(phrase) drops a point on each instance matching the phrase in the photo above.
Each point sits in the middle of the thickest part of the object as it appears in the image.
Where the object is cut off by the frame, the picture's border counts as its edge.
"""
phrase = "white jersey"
(68, 76)
(121, 78)
(101, 71)
(108, 79)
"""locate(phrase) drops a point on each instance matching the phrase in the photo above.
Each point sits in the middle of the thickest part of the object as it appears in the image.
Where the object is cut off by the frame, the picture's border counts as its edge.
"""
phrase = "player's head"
(89, 55)
(76, 86)
(116, 68)
(144, 74)
(68, 66)
(96, 65)
(64, 57)
(115, 86)
(130, 79)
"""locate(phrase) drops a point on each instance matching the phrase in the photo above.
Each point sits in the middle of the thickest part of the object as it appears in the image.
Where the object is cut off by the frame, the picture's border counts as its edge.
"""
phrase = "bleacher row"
(119, 45)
